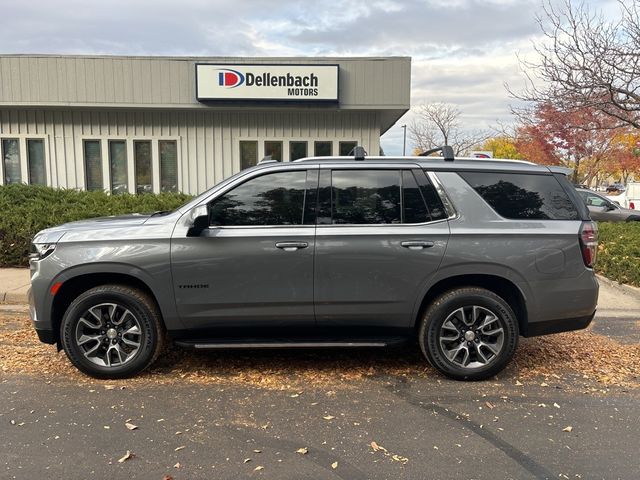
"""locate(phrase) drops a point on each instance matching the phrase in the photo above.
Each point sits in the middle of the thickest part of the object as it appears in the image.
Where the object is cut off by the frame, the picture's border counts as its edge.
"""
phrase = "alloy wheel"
(471, 337)
(108, 335)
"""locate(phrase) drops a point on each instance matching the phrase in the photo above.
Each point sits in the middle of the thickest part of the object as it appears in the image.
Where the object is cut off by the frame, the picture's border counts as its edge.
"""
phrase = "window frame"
(44, 161)
(312, 183)
(607, 202)
(315, 144)
(135, 163)
(127, 160)
(23, 154)
(156, 164)
(258, 157)
(429, 176)
(341, 142)
(306, 149)
(264, 149)
(129, 139)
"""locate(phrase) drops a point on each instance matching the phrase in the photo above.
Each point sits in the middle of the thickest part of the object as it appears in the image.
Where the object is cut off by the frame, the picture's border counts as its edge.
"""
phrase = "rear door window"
(365, 196)
(374, 197)
(523, 196)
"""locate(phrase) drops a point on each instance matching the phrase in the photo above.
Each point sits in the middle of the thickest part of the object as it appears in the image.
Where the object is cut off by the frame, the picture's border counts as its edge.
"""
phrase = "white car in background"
(630, 198)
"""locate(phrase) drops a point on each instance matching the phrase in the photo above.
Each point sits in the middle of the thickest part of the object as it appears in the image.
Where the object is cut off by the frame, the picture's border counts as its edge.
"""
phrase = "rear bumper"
(557, 326)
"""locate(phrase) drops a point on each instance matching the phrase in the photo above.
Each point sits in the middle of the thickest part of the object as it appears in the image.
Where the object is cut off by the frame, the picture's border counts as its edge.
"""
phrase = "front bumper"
(42, 328)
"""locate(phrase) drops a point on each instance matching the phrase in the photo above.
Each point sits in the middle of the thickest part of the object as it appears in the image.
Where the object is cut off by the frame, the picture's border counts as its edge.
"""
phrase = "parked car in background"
(604, 209)
(616, 188)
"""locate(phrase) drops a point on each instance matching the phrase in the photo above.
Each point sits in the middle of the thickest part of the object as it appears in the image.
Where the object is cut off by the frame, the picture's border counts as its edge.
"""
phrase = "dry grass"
(585, 353)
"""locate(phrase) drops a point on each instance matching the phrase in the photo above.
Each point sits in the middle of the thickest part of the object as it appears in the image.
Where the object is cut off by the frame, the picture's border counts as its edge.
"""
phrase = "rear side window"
(523, 196)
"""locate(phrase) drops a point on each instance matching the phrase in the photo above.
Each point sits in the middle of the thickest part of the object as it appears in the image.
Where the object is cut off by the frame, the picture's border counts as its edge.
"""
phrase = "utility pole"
(404, 140)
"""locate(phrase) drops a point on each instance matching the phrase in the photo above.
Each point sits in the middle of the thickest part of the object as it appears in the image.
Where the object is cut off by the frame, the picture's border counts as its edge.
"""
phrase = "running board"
(218, 345)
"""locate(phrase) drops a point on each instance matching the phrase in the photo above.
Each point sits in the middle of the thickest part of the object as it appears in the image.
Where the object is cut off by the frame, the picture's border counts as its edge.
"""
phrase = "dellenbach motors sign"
(267, 82)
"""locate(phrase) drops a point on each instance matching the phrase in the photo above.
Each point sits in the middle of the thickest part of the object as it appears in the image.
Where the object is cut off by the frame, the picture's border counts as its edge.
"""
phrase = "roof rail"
(267, 159)
(358, 153)
(447, 152)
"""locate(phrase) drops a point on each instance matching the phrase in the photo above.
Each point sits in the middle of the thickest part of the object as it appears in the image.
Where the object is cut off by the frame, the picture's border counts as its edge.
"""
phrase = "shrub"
(619, 252)
(27, 209)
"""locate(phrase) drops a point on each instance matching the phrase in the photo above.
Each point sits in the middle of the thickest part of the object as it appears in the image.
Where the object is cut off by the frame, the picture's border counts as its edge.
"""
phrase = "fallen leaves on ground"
(130, 426)
(398, 458)
(567, 429)
(591, 355)
(302, 451)
(126, 456)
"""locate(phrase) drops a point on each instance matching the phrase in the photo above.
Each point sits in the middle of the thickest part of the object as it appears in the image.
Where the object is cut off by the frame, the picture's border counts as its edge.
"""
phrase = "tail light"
(632, 205)
(589, 242)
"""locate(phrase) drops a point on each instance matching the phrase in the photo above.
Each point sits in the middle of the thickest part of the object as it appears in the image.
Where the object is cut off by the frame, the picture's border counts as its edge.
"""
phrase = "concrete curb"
(13, 297)
(14, 285)
(631, 290)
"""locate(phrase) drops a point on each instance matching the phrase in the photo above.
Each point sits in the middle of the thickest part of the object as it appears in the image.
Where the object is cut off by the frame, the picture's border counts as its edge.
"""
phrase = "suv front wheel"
(112, 331)
(469, 333)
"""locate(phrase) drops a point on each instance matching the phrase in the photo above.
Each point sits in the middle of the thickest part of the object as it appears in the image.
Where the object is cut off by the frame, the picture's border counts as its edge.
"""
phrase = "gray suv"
(462, 255)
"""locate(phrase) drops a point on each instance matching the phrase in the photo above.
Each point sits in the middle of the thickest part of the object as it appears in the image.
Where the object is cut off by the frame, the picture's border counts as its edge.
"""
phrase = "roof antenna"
(447, 152)
(358, 152)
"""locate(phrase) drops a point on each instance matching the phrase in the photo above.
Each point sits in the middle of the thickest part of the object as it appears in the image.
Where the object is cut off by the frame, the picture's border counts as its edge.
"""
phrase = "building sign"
(267, 82)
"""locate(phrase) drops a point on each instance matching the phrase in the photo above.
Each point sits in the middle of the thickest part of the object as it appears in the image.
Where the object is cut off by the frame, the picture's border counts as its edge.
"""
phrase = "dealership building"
(153, 124)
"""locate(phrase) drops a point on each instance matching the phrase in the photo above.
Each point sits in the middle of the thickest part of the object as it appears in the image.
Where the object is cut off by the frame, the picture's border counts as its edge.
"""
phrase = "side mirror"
(198, 221)
(608, 207)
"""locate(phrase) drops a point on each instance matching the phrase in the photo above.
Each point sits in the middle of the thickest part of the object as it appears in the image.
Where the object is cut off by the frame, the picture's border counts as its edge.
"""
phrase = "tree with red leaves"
(581, 139)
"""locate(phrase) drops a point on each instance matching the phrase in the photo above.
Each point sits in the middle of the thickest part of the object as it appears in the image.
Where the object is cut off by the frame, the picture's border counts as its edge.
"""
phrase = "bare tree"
(587, 61)
(438, 124)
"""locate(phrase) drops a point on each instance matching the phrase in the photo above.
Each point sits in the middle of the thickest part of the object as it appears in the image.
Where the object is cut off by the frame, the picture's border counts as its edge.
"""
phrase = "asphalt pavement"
(381, 427)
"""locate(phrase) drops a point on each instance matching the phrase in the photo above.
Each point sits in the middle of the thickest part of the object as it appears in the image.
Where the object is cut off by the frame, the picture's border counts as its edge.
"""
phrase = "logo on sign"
(230, 78)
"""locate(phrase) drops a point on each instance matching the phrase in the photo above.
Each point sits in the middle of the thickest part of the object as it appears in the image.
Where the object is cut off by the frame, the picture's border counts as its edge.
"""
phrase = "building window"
(346, 148)
(35, 161)
(323, 149)
(273, 149)
(168, 165)
(297, 150)
(93, 165)
(118, 166)
(11, 160)
(142, 161)
(248, 154)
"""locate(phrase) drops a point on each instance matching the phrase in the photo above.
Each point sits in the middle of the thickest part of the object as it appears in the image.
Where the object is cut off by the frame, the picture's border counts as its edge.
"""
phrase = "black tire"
(443, 309)
(143, 314)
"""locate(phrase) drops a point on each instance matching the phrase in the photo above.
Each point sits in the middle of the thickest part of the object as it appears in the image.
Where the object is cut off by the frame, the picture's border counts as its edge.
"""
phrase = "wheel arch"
(499, 285)
(72, 287)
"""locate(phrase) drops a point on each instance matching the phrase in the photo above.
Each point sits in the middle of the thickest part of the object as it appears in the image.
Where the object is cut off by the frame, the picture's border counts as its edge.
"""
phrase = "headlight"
(41, 250)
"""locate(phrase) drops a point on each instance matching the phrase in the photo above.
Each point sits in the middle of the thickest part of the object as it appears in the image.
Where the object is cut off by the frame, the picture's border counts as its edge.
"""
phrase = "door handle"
(417, 244)
(291, 246)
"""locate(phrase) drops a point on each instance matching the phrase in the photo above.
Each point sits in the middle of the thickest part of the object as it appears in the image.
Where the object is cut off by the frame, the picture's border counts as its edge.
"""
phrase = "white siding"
(208, 145)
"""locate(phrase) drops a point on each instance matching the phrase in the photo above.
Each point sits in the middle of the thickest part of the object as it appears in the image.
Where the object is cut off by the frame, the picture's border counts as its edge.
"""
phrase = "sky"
(463, 51)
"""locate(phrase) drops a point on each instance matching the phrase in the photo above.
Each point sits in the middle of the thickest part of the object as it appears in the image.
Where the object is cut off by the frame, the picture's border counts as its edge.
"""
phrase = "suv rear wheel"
(469, 333)
(112, 331)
